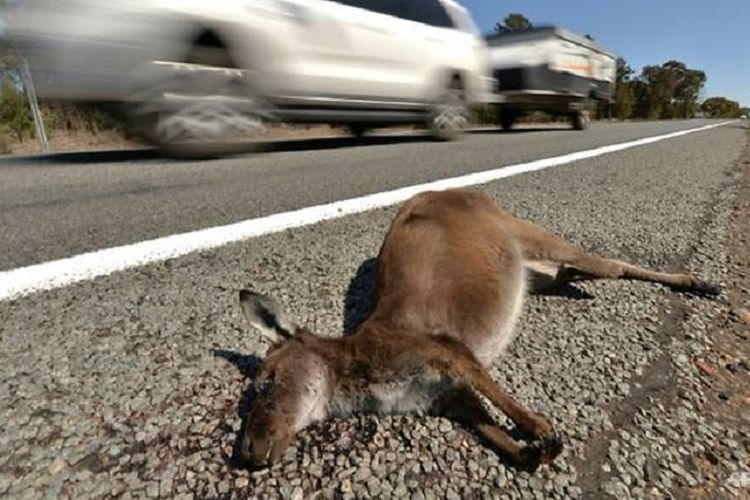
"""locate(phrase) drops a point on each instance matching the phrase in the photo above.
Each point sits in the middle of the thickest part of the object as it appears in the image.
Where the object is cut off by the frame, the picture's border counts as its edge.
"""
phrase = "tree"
(14, 111)
(721, 107)
(670, 90)
(689, 85)
(513, 22)
(624, 94)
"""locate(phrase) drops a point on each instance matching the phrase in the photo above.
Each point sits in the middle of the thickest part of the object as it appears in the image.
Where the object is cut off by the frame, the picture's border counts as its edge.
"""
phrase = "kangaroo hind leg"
(544, 252)
(589, 267)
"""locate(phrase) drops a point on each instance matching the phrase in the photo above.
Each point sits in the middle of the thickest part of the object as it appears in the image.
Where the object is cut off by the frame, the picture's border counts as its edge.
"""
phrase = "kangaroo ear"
(265, 314)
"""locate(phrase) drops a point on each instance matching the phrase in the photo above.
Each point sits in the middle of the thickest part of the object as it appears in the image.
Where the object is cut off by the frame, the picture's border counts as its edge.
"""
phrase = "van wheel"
(449, 116)
(580, 120)
(357, 130)
(507, 119)
(202, 108)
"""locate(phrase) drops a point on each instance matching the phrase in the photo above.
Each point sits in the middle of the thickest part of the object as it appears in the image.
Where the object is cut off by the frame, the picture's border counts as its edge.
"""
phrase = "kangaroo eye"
(263, 387)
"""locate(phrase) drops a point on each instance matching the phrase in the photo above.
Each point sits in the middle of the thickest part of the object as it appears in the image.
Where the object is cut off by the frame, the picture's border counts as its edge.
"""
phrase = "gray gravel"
(133, 384)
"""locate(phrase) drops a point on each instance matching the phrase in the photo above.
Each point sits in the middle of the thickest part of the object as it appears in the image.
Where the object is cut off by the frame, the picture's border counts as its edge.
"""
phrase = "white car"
(194, 75)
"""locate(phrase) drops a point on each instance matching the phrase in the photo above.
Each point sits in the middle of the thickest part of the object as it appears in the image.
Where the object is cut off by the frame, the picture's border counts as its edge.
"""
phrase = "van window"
(429, 12)
(361, 4)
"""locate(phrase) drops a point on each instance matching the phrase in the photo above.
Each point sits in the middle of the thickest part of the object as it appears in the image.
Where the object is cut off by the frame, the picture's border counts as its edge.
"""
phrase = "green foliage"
(672, 91)
(721, 107)
(624, 90)
(513, 22)
(15, 115)
(486, 115)
(667, 91)
(70, 117)
(4, 144)
(624, 100)
(624, 73)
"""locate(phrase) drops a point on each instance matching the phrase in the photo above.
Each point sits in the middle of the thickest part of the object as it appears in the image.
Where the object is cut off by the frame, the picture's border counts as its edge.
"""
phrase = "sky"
(711, 35)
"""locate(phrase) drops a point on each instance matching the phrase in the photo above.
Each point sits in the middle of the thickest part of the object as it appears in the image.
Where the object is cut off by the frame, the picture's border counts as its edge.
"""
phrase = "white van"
(193, 74)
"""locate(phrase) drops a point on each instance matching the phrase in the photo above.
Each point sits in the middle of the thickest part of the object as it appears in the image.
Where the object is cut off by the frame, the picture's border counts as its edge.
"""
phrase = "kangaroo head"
(291, 387)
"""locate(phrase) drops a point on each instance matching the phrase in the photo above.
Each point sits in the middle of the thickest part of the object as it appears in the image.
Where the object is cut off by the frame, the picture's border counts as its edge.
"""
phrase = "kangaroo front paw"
(542, 450)
(537, 426)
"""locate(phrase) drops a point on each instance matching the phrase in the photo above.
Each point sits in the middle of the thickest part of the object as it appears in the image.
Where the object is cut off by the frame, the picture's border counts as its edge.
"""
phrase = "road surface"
(134, 383)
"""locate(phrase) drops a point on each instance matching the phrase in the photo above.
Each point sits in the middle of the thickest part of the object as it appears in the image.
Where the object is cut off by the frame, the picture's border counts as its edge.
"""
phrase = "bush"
(14, 111)
(4, 144)
(486, 115)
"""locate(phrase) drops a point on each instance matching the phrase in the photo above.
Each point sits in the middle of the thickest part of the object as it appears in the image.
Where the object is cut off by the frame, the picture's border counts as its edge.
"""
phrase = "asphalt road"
(133, 384)
(64, 205)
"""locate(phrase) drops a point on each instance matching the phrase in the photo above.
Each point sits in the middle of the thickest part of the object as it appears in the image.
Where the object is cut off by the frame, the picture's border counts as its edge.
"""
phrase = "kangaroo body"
(452, 275)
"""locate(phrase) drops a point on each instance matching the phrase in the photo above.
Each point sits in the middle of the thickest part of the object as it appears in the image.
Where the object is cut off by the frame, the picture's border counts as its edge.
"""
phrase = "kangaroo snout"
(261, 449)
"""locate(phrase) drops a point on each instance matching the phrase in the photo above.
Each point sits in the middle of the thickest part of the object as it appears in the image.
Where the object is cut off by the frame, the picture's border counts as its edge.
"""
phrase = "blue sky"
(712, 35)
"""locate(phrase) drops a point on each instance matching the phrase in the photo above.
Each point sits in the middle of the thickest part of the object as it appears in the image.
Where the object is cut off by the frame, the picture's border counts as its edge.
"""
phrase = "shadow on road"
(498, 130)
(248, 365)
(85, 157)
(270, 147)
(282, 146)
(564, 290)
(360, 295)
(323, 143)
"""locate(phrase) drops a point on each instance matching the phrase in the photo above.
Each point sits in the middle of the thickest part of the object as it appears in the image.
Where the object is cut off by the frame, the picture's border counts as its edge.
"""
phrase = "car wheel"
(199, 110)
(450, 114)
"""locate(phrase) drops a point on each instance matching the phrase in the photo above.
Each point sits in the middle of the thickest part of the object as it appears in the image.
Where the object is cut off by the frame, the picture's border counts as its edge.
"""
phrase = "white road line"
(23, 281)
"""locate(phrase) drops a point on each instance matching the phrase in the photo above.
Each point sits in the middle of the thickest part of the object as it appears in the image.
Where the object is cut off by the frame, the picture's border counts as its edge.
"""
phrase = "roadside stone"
(346, 486)
(705, 368)
(452, 495)
(224, 487)
(165, 488)
(374, 487)
(400, 490)
(362, 474)
(57, 465)
(152, 490)
(650, 470)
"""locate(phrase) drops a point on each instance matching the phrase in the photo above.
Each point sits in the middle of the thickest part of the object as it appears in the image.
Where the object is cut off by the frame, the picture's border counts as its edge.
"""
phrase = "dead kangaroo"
(451, 281)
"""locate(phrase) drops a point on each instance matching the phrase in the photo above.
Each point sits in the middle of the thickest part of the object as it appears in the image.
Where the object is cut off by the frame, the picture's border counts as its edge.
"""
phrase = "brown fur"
(450, 284)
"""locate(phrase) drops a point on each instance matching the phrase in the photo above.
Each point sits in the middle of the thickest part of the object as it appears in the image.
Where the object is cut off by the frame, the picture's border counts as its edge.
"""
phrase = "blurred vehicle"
(550, 69)
(196, 76)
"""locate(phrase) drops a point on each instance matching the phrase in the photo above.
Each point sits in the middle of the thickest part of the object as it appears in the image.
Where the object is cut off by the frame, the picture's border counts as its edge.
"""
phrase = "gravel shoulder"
(134, 385)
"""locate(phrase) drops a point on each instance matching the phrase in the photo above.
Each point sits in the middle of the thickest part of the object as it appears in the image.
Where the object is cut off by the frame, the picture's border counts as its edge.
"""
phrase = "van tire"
(449, 116)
